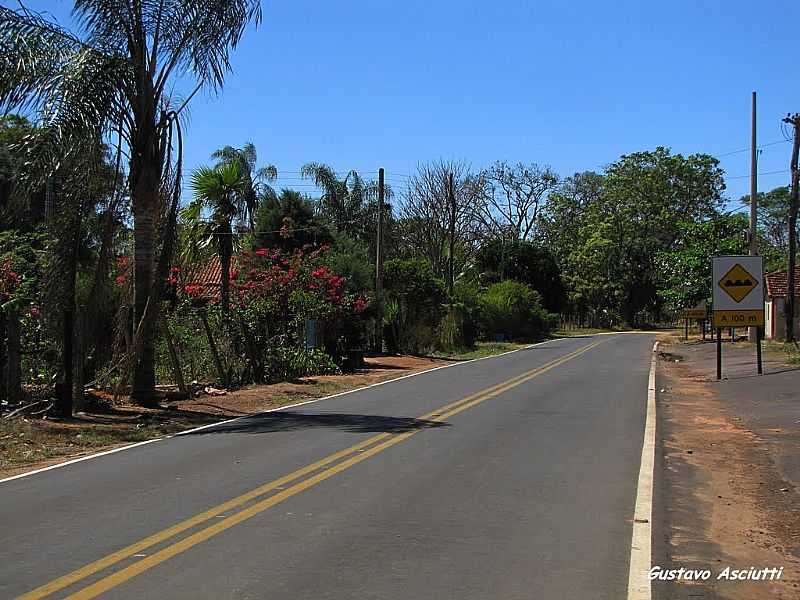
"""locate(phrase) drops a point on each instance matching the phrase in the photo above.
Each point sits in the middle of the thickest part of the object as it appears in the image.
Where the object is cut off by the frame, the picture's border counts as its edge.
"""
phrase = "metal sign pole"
(719, 353)
(758, 350)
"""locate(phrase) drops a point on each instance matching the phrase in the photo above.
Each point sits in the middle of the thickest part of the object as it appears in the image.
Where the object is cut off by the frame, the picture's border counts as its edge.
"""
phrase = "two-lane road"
(512, 477)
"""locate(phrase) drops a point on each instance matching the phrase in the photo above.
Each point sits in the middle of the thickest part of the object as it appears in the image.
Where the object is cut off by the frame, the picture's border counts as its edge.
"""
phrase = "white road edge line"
(639, 587)
(188, 431)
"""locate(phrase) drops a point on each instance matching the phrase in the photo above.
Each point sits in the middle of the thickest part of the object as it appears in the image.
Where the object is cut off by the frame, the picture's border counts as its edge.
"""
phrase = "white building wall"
(779, 327)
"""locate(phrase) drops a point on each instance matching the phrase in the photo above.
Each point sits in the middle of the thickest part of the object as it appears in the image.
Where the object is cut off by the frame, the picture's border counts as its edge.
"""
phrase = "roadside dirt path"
(725, 500)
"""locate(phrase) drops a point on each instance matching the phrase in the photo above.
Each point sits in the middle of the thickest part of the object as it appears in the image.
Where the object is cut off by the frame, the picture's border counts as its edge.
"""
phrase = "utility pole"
(452, 198)
(752, 333)
(379, 264)
(793, 120)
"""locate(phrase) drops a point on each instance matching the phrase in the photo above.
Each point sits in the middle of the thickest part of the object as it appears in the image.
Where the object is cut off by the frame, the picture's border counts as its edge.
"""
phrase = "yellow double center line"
(316, 472)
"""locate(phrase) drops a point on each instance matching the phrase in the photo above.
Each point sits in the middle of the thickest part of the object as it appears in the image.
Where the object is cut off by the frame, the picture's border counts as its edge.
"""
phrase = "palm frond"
(268, 173)
(197, 36)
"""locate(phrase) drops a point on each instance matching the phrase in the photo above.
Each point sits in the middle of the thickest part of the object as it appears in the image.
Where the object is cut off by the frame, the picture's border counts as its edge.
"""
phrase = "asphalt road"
(427, 487)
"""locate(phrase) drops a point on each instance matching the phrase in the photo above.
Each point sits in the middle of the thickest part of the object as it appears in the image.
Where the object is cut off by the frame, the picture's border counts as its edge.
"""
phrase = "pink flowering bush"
(273, 293)
(9, 281)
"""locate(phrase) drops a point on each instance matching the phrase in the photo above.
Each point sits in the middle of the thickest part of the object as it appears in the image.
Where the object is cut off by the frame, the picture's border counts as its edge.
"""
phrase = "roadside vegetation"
(111, 286)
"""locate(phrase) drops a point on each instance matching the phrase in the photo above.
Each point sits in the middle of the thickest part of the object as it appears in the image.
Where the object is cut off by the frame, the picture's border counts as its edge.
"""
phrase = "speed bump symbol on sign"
(737, 283)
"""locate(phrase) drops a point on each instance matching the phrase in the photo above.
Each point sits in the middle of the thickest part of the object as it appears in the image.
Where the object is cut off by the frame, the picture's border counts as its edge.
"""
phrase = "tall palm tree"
(256, 178)
(343, 201)
(218, 189)
(117, 75)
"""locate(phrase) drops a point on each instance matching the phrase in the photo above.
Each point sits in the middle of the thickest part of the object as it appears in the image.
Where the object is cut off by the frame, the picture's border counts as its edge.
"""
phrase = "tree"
(514, 197)
(607, 231)
(685, 269)
(773, 226)
(351, 259)
(427, 215)
(288, 222)
(646, 196)
(218, 189)
(566, 211)
(343, 201)
(256, 187)
(525, 262)
(413, 299)
(118, 76)
(514, 309)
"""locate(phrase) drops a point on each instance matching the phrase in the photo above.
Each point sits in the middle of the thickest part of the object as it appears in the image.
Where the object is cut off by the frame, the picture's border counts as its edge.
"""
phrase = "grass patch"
(789, 352)
(481, 350)
(24, 442)
(559, 333)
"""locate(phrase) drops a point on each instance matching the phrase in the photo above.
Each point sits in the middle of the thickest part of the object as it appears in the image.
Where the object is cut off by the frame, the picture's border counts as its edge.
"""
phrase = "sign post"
(698, 313)
(738, 285)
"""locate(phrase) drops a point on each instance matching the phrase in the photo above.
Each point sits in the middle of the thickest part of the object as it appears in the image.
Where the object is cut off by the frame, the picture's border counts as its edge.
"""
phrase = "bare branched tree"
(514, 196)
(428, 217)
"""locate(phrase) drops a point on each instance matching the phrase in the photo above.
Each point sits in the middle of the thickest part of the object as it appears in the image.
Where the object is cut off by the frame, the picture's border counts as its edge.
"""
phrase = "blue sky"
(573, 85)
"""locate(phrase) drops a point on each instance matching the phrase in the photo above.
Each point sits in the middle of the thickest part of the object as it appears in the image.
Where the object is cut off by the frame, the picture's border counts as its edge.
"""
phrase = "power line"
(762, 146)
(764, 173)
(285, 230)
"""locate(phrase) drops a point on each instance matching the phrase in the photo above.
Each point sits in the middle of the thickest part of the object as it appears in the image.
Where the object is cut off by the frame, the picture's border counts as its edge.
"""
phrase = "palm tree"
(345, 201)
(117, 76)
(218, 190)
(256, 179)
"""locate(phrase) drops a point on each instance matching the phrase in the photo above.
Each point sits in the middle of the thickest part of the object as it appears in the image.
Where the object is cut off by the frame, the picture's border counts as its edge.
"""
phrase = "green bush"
(515, 311)
(287, 364)
(413, 306)
(527, 263)
(458, 327)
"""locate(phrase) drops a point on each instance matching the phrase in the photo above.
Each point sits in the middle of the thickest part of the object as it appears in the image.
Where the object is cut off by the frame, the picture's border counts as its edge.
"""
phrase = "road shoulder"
(726, 495)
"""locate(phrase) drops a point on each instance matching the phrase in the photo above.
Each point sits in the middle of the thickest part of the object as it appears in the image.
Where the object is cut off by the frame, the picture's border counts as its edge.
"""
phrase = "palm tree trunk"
(145, 210)
(226, 250)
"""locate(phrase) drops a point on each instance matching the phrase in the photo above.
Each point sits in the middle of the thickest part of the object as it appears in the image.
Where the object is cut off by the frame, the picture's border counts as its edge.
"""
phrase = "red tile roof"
(207, 273)
(777, 285)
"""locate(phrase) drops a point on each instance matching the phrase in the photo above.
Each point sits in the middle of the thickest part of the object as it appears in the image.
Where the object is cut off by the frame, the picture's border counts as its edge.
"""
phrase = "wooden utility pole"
(793, 120)
(752, 333)
(451, 268)
(379, 264)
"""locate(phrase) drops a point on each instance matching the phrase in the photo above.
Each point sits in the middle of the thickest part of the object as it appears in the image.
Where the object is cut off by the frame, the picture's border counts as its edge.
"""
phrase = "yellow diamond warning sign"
(737, 283)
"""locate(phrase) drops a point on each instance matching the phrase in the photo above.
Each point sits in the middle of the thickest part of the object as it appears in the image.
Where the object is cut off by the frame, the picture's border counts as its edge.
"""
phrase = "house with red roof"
(777, 292)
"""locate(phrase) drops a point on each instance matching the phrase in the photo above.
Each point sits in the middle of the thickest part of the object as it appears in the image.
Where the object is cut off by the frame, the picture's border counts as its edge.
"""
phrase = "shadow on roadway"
(293, 421)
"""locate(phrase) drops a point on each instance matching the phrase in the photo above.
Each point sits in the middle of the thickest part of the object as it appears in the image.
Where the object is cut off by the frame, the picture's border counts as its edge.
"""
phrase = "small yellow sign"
(737, 283)
(738, 318)
(695, 313)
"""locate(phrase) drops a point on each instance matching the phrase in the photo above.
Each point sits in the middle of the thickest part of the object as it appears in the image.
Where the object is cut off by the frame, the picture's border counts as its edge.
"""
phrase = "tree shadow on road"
(293, 421)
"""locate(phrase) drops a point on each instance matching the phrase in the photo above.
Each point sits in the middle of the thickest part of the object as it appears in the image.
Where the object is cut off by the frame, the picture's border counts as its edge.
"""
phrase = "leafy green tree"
(413, 298)
(351, 259)
(13, 130)
(525, 262)
(685, 269)
(619, 227)
(117, 75)
(288, 222)
(567, 211)
(773, 226)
